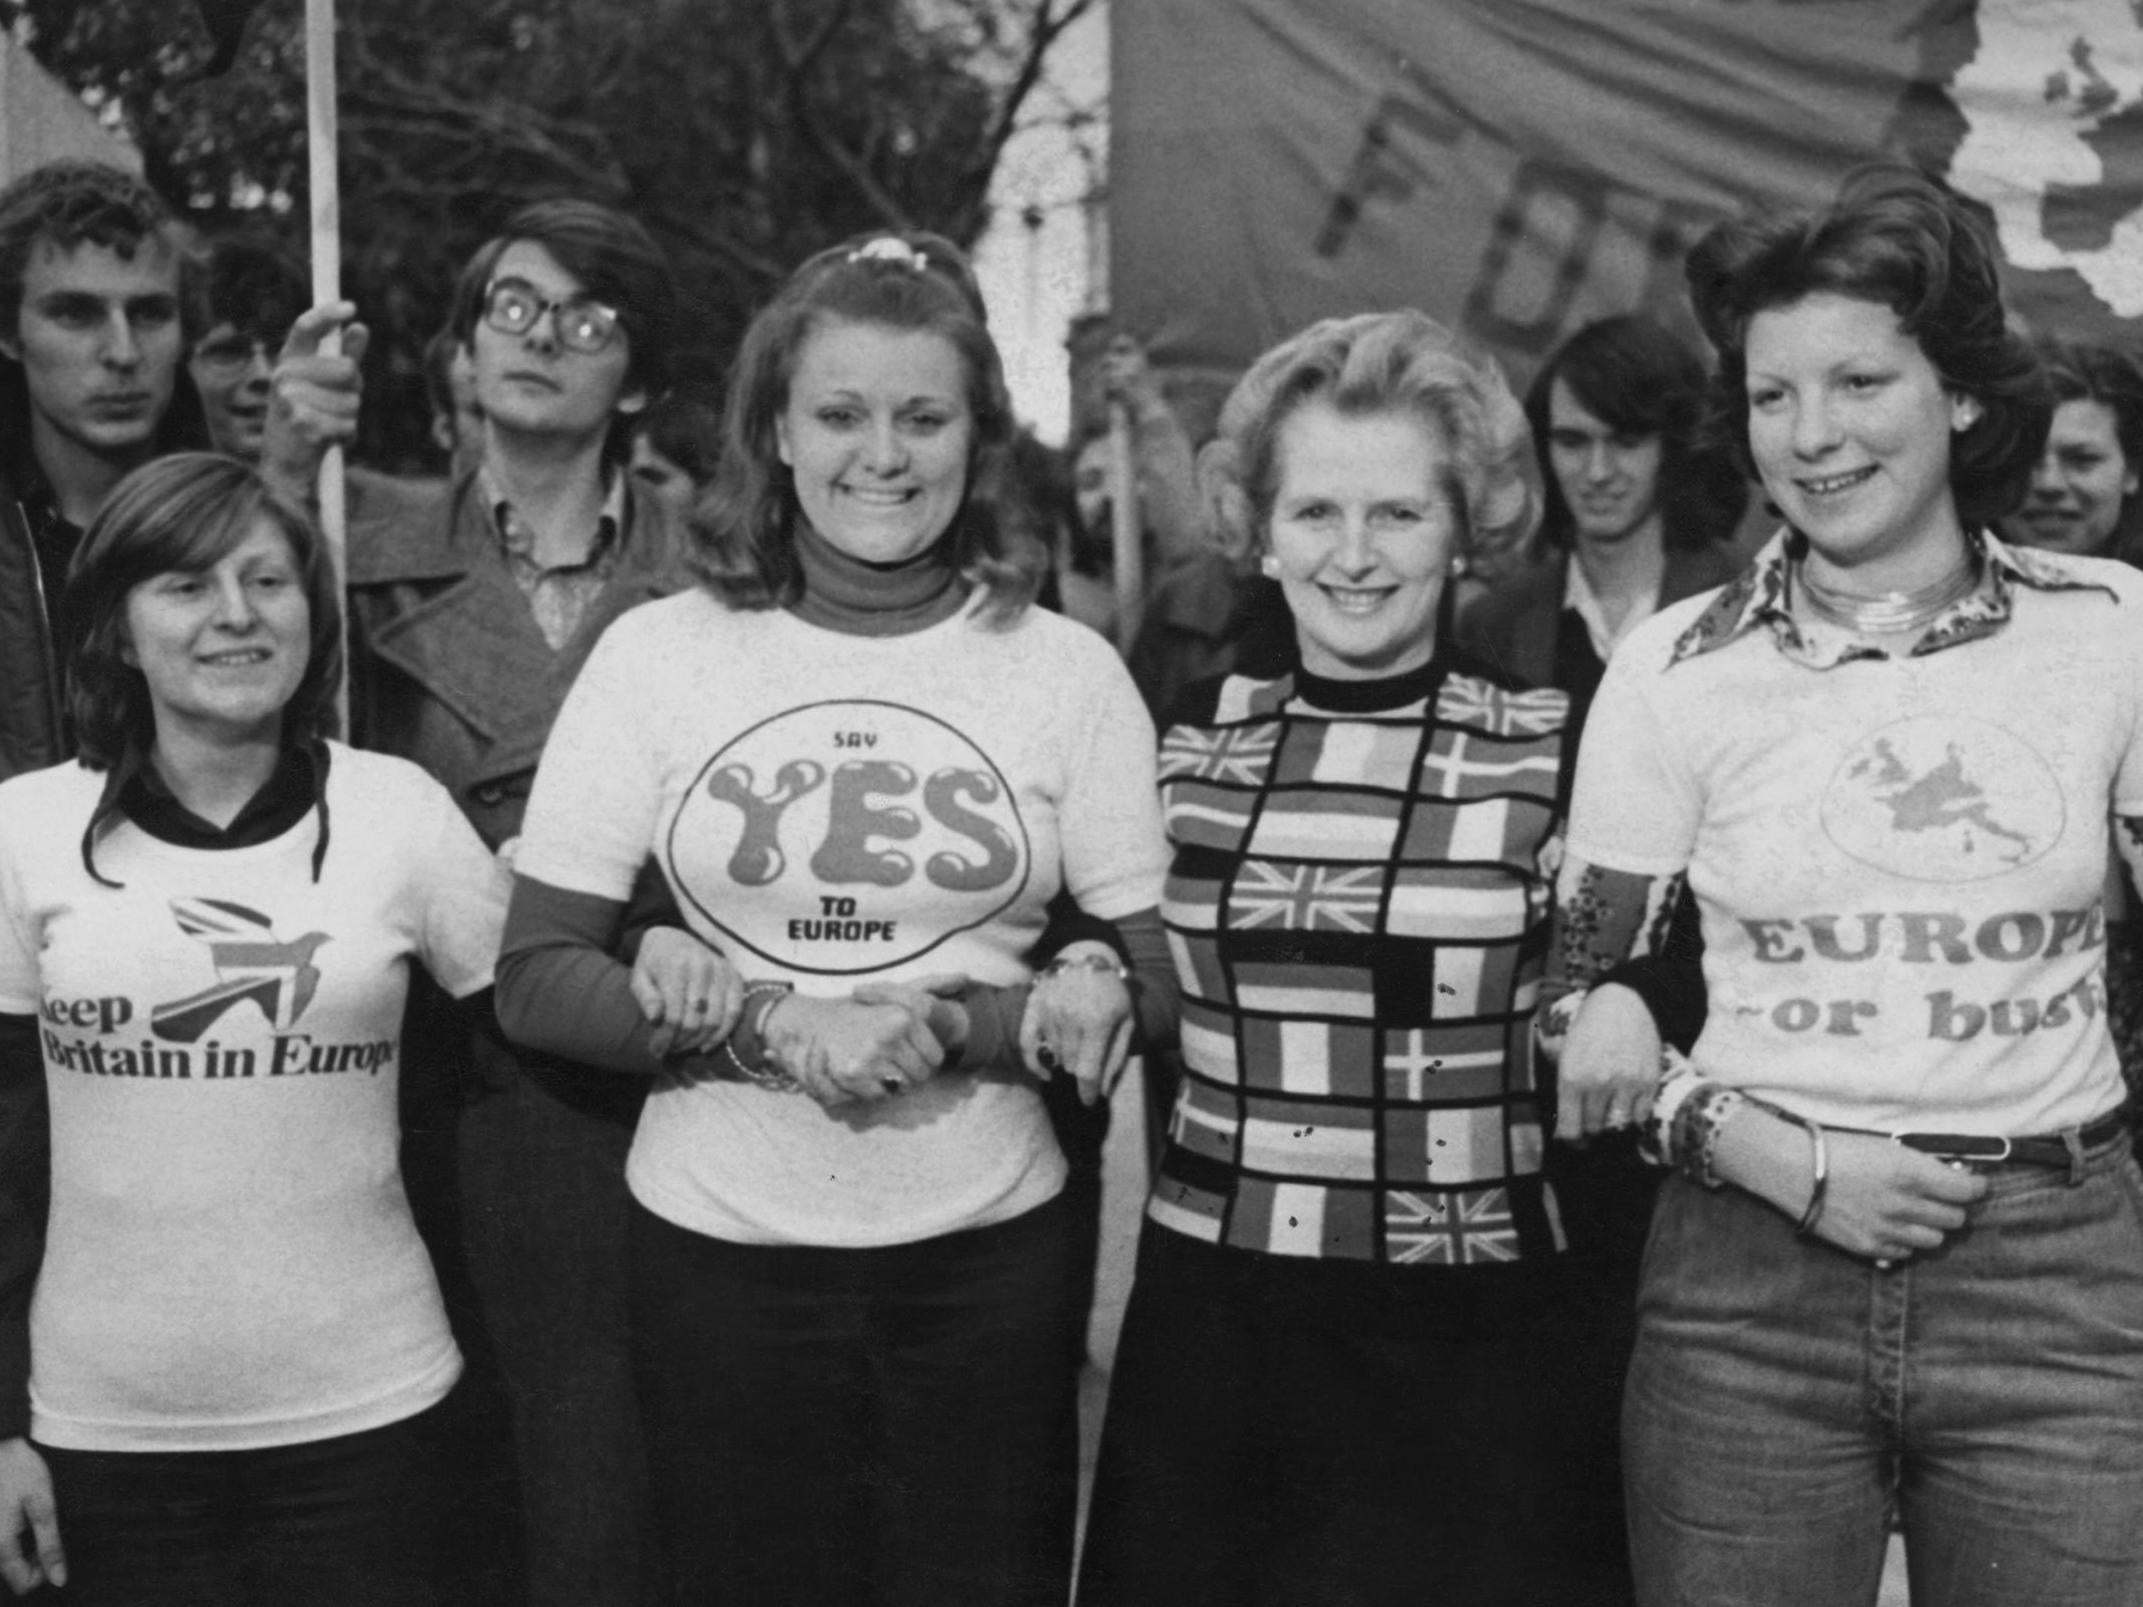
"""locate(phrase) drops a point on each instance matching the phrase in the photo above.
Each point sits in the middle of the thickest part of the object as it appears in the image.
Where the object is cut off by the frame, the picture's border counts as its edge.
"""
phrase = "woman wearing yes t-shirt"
(206, 925)
(1903, 1260)
(865, 765)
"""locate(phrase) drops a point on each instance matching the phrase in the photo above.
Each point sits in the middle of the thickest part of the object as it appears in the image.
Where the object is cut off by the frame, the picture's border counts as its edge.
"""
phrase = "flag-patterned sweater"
(1358, 910)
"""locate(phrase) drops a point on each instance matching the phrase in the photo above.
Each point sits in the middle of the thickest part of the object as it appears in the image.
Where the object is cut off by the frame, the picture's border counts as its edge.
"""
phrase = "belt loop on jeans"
(2072, 1137)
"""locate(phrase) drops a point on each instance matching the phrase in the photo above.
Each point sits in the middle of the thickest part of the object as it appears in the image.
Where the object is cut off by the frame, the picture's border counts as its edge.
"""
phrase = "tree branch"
(796, 63)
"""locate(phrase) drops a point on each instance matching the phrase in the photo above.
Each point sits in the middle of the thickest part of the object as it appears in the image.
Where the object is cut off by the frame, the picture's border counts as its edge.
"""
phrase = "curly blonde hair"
(1373, 363)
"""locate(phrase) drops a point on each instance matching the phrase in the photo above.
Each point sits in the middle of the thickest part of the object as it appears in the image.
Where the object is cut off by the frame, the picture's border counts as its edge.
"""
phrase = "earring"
(1964, 413)
(1459, 566)
(1269, 567)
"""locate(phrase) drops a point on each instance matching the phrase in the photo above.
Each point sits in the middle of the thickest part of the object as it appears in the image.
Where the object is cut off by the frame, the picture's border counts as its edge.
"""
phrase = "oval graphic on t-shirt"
(848, 836)
(1941, 799)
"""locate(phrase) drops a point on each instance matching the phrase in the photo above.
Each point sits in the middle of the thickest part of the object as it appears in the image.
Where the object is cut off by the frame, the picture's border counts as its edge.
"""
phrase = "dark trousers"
(1289, 1433)
(344, 1522)
(891, 1427)
(543, 1206)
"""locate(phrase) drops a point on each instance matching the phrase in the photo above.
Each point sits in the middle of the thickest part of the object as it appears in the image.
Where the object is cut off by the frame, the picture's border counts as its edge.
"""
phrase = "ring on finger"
(1046, 1054)
(892, 1085)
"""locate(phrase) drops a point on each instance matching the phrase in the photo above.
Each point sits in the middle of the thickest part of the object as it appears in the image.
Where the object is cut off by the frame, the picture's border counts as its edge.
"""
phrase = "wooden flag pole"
(1126, 528)
(320, 146)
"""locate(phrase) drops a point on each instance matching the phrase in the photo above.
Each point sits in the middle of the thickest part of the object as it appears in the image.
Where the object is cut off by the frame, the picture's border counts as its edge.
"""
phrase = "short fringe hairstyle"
(1639, 378)
(72, 204)
(184, 512)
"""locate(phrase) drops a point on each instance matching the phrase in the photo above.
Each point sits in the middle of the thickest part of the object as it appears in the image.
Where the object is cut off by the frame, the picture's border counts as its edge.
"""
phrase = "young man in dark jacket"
(97, 302)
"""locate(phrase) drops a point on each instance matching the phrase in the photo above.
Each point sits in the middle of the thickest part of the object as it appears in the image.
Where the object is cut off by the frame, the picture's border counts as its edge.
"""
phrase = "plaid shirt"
(559, 595)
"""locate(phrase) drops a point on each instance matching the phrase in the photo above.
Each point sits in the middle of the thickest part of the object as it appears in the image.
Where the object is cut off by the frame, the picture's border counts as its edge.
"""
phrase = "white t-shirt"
(1899, 862)
(831, 810)
(230, 1260)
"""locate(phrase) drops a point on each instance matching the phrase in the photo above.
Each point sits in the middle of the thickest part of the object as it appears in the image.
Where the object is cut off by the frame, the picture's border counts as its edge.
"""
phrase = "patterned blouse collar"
(1761, 596)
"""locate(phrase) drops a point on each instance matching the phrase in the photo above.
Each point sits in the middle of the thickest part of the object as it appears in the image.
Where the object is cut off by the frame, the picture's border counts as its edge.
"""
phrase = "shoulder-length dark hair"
(1639, 378)
(1895, 237)
(742, 533)
(184, 512)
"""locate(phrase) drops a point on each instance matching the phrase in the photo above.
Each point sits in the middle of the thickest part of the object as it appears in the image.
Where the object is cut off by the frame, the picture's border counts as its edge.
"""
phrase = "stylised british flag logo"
(251, 963)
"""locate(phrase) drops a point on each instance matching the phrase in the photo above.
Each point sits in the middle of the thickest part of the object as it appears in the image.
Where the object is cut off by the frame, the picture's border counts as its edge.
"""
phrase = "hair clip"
(890, 248)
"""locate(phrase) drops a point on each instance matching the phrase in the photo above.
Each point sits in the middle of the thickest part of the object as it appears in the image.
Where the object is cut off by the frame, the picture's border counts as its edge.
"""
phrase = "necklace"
(1890, 613)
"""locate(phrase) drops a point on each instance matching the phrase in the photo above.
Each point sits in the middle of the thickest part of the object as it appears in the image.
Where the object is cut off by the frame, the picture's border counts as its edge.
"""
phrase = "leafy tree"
(744, 133)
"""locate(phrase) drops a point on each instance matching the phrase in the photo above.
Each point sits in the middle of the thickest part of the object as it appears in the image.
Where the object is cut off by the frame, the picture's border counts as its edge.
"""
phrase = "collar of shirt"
(517, 539)
(289, 793)
(1580, 599)
(1761, 597)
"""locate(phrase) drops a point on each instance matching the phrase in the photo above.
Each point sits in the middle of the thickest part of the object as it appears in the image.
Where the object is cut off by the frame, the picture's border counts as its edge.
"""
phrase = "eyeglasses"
(229, 352)
(514, 307)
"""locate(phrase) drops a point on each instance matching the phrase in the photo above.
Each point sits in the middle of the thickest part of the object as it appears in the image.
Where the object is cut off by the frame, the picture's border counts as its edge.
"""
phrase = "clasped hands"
(886, 1037)
(1883, 1202)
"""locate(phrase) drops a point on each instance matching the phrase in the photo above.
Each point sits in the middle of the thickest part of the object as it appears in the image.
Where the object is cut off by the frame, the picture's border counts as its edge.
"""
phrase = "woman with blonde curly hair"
(1342, 1373)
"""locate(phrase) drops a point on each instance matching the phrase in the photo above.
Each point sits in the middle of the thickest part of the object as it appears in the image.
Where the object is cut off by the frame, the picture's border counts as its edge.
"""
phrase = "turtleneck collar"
(844, 593)
(1374, 696)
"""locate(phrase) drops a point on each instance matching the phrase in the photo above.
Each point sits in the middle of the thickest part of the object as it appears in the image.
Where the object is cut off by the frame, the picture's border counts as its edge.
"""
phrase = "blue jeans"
(1784, 1394)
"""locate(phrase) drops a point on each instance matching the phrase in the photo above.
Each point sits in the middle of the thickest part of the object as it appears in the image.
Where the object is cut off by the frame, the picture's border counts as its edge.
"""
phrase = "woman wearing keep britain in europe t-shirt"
(206, 926)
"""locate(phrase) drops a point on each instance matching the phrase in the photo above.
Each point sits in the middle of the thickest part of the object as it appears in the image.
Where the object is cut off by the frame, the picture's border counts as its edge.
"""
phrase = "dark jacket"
(1514, 625)
(447, 665)
(33, 728)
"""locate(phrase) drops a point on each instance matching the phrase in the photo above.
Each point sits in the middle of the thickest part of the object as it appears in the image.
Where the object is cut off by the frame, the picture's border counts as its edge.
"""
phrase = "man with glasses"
(256, 290)
(471, 610)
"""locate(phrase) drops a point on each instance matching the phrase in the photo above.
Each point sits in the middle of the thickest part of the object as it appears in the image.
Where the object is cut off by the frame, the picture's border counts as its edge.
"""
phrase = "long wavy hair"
(184, 512)
(742, 532)
(1897, 238)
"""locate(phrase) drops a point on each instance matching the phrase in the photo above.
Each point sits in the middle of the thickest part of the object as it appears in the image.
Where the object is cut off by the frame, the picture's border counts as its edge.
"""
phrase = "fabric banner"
(1519, 167)
(42, 120)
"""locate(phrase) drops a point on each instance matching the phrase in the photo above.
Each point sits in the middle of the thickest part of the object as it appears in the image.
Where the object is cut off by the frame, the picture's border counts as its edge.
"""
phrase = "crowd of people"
(1624, 888)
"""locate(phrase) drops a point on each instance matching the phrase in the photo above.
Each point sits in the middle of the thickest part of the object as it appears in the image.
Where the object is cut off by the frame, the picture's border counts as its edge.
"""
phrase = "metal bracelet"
(762, 996)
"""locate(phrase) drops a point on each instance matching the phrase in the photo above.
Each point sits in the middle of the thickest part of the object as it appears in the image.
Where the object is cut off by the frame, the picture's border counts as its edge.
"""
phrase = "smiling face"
(2078, 486)
(99, 341)
(1361, 534)
(532, 383)
(231, 369)
(1609, 479)
(877, 433)
(1850, 425)
(223, 649)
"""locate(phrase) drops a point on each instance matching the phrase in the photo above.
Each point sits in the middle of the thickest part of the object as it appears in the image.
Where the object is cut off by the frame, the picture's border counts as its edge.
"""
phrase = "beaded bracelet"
(1697, 1125)
(762, 996)
(1819, 1169)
